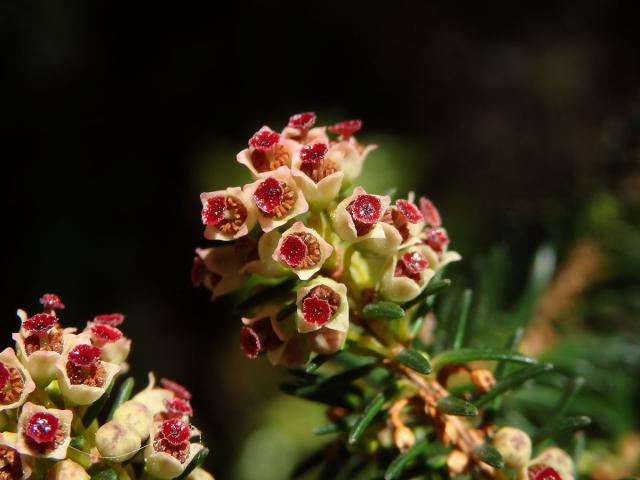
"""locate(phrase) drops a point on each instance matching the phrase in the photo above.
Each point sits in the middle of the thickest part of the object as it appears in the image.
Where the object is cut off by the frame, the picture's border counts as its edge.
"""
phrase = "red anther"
(198, 270)
(177, 389)
(84, 355)
(264, 140)
(346, 128)
(313, 153)
(436, 238)
(293, 251)
(409, 211)
(366, 209)
(177, 407)
(541, 471)
(268, 196)
(302, 121)
(175, 431)
(39, 323)
(106, 333)
(4, 376)
(111, 319)
(430, 212)
(250, 342)
(42, 427)
(415, 262)
(316, 311)
(213, 211)
(51, 301)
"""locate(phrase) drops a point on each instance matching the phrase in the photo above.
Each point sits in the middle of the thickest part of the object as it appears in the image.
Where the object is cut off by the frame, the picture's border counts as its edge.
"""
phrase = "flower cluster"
(303, 224)
(53, 387)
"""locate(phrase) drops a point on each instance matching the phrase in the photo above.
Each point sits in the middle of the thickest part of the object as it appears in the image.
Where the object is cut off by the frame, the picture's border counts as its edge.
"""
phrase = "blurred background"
(520, 120)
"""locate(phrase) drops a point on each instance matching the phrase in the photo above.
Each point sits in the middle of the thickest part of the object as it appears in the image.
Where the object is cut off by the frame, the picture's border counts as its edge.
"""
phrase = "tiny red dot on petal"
(84, 355)
(313, 153)
(366, 209)
(264, 140)
(316, 311)
(293, 250)
(111, 319)
(415, 262)
(302, 121)
(175, 431)
(51, 301)
(346, 128)
(250, 342)
(430, 212)
(268, 196)
(409, 211)
(40, 323)
(42, 427)
(4, 376)
(178, 406)
(177, 389)
(213, 211)
(106, 333)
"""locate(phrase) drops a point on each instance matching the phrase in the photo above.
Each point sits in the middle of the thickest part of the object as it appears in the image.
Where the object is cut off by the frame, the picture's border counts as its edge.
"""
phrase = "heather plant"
(59, 421)
(347, 289)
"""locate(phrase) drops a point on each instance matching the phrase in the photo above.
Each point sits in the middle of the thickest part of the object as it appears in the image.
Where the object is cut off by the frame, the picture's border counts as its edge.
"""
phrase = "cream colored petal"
(164, 466)
(64, 417)
(211, 232)
(266, 265)
(9, 359)
(340, 320)
(325, 250)
(41, 364)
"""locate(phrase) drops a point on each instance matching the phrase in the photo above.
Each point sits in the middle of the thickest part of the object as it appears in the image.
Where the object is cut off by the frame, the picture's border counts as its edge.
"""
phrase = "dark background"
(112, 112)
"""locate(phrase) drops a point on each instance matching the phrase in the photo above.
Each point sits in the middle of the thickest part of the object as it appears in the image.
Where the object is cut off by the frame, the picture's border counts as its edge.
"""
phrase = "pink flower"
(358, 217)
(267, 151)
(227, 214)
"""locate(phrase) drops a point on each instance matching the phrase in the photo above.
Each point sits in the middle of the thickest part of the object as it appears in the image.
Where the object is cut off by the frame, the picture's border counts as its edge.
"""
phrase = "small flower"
(302, 250)
(51, 302)
(44, 433)
(136, 415)
(322, 303)
(111, 319)
(82, 376)
(15, 382)
(114, 346)
(541, 471)
(178, 390)
(317, 170)
(358, 216)
(227, 214)
(353, 153)
(265, 265)
(402, 224)
(170, 451)
(117, 441)
(408, 273)
(346, 128)
(325, 341)
(430, 212)
(276, 198)
(153, 397)
(67, 470)
(13, 465)
(300, 128)
(262, 333)
(220, 269)
(514, 445)
(555, 459)
(267, 152)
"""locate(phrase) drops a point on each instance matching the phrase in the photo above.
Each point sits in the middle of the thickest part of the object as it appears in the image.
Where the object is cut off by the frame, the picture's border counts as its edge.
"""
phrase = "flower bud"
(358, 217)
(535, 470)
(15, 382)
(267, 151)
(407, 273)
(200, 474)
(67, 470)
(322, 303)
(117, 441)
(514, 445)
(326, 341)
(227, 214)
(404, 438)
(302, 250)
(317, 171)
(44, 433)
(558, 459)
(136, 416)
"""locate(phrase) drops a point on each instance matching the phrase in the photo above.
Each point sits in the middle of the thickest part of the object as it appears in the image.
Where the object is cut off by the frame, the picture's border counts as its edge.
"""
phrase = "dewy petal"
(323, 253)
(10, 361)
(224, 226)
(58, 450)
(344, 225)
(339, 320)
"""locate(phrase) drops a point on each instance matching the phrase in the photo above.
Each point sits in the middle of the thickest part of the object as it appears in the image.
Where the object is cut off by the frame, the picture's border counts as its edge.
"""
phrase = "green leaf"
(107, 474)
(400, 462)
(511, 381)
(197, 461)
(382, 310)
(78, 442)
(465, 355)
(339, 380)
(542, 269)
(512, 345)
(414, 360)
(456, 406)
(461, 326)
(571, 390)
(370, 411)
(344, 424)
(123, 395)
(94, 410)
(488, 454)
(565, 425)
(316, 363)
(435, 286)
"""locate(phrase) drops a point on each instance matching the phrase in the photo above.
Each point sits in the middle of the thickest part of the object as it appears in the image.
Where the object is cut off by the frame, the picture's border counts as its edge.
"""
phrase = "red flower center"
(293, 251)
(542, 472)
(264, 140)
(175, 431)
(409, 211)
(106, 333)
(250, 342)
(111, 319)
(177, 407)
(436, 238)
(51, 301)
(4, 376)
(430, 212)
(268, 196)
(213, 211)
(346, 128)
(313, 153)
(302, 121)
(316, 311)
(177, 389)
(84, 355)
(40, 323)
(42, 427)
(415, 262)
(366, 209)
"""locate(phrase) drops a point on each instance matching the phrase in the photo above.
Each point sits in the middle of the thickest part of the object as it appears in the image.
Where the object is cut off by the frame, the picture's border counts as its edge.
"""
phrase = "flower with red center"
(42, 427)
(302, 121)
(409, 212)
(84, 355)
(111, 319)
(357, 217)
(263, 333)
(269, 195)
(177, 389)
(178, 408)
(316, 311)
(220, 269)
(51, 301)
(293, 251)
(542, 472)
(43, 432)
(317, 170)
(313, 154)
(175, 431)
(15, 381)
(102, 334)
(40, 323)
(4, 376)
(302, 250)
(366, 209)
(436, 238)
(250, 342)
(346, 128)
(414, 262)
(264, 140)
(227, 214)
(268, 151)
(213, 210)
(322, 302)
(430, 212)
(171, 450)
(406, 274)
